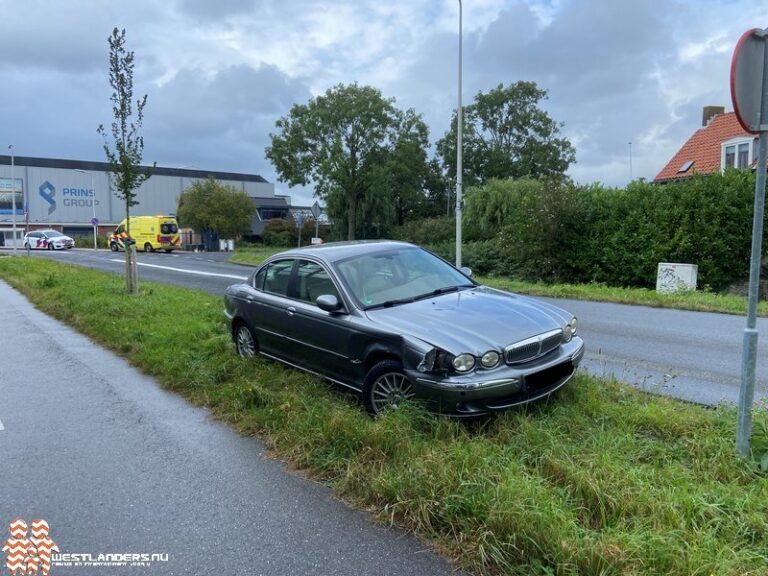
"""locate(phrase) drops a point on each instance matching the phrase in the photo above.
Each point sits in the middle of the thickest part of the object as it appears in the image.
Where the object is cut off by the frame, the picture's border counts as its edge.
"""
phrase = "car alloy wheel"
(245, 341)
(50, 246)
(386, 386)
(148, 247)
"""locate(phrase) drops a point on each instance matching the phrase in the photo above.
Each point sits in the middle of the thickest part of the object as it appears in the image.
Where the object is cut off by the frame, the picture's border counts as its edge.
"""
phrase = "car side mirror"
(329, 303)
(466, 271)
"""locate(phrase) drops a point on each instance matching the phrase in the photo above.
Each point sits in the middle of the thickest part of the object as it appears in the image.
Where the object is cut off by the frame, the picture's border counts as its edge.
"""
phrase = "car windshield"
(53, 234)
(399, 276)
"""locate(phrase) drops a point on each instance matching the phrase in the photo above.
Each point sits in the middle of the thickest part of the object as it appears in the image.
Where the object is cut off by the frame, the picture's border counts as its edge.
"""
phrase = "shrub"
(557, 231)
(427, 230)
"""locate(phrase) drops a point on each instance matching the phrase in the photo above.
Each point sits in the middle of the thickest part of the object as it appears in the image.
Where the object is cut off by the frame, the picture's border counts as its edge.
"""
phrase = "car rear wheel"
(148, 247)
(386, 386)
(245, 341)
(26, 246)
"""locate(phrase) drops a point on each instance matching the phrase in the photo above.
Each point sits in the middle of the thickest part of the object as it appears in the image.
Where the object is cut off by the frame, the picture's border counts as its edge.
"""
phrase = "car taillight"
(159, 239)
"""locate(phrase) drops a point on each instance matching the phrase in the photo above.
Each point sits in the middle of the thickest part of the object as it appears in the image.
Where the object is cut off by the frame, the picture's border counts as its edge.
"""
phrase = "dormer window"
(738, 153)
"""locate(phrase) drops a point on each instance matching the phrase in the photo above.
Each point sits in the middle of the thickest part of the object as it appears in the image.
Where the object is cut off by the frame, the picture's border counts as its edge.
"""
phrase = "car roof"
(335, 251)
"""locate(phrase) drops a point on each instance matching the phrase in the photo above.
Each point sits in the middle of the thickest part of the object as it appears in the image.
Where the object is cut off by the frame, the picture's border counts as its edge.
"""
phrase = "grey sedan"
(393, 321)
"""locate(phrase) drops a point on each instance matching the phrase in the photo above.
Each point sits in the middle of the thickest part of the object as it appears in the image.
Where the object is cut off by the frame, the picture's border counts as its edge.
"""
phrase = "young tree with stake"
(126, 150)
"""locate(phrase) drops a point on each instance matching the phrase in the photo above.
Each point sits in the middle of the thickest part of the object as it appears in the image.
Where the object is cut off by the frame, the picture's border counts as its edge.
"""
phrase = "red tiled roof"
(703, 148)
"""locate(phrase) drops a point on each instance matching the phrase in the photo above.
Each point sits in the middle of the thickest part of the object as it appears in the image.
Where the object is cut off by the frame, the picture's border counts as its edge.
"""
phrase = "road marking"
(1, 425)
(198, 272)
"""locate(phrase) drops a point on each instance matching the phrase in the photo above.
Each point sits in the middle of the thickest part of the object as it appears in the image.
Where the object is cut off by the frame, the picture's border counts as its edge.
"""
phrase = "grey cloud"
(223, 121)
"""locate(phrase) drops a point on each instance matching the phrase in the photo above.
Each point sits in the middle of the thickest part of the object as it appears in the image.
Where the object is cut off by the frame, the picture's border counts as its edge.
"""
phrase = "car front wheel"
(386, 386)
(113, 246)
(50, 246)
(245, 341)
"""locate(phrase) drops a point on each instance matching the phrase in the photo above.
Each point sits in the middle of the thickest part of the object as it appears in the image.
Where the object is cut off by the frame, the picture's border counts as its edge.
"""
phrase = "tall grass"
(601, 479)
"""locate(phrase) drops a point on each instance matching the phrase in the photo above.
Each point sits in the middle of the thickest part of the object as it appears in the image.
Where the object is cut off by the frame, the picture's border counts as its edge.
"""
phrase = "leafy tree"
(348, 142)
(210, 205)
(398, 176)
(507, 135)
(125, 153)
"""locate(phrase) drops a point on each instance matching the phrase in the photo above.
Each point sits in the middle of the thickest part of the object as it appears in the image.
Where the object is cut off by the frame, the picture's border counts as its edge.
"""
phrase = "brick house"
(720, 143)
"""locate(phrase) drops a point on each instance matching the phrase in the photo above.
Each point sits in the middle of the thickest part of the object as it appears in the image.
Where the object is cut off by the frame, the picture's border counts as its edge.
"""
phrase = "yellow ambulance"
(149, 233)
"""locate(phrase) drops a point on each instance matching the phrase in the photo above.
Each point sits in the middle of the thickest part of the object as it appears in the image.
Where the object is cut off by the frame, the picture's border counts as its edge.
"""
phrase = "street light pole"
(459, 155)
(13, 199)
(93, 203)
(630, 161)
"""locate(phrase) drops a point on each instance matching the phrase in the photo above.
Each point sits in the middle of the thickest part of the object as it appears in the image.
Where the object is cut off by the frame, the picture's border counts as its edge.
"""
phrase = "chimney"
(710, 112)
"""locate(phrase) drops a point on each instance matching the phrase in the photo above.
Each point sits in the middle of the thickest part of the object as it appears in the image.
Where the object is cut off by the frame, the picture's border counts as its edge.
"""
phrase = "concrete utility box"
(676, 277)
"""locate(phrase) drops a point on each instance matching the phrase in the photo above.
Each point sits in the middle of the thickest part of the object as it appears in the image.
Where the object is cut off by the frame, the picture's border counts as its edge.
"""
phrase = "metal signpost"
(316, 214)
(94, 220)
(459, 156)
(749, 92)
(299, 222)
(13, 199)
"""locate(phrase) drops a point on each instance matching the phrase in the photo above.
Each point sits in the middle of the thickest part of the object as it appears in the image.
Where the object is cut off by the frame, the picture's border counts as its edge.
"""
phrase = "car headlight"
(464, 363)
(569, 330)
(490, 359)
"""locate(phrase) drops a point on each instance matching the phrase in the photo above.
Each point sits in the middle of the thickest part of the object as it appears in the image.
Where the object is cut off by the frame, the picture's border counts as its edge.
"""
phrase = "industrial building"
(68, 195)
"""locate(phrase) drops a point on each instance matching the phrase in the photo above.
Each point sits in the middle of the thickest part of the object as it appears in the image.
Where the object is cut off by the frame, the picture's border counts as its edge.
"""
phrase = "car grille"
(532, 348)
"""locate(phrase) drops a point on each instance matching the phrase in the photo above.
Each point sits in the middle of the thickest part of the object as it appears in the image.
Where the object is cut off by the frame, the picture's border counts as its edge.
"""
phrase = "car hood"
(475, 320)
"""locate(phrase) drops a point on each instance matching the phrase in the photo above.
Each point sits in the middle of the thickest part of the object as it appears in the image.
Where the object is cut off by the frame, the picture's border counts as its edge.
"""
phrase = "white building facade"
(68, 194)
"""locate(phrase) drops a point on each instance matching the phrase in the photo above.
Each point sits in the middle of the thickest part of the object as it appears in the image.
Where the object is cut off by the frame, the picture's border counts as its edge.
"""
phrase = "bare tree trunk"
(131, 270)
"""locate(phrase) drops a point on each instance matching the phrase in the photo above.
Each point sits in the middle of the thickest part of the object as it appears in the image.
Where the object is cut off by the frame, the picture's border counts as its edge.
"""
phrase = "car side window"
(258, 280)
(312, 281)
(277, 276)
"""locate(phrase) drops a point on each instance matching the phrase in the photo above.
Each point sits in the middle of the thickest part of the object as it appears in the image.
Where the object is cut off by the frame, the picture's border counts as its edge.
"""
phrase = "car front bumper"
(485, 391)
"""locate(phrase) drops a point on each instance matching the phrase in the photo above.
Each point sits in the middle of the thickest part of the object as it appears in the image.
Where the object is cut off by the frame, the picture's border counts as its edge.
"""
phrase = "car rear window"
(168, 228)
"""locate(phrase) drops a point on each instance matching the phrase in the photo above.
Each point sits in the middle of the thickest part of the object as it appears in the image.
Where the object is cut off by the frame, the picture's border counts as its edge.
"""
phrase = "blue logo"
(48, 191)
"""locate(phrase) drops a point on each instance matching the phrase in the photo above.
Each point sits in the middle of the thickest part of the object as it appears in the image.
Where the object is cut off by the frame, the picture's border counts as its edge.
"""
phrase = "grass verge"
(253, 255)
(698, 301)
(599, 480)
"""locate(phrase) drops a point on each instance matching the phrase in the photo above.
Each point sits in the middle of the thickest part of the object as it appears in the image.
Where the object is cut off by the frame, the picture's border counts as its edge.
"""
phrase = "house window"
(738, 153)
(743, 158)
(730, 157)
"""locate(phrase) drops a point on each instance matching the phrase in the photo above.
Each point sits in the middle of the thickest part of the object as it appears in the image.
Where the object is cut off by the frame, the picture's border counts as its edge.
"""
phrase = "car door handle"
(290, 310)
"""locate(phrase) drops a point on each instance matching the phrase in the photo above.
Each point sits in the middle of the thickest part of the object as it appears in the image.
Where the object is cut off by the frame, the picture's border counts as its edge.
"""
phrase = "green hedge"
(556, 231)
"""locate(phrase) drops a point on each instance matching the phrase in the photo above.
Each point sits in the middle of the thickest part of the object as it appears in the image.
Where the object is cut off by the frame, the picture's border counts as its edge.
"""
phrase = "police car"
(47, 240)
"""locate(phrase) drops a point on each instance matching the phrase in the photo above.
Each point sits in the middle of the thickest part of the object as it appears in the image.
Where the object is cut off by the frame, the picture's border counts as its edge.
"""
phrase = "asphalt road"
(690, 355)
(116, 465)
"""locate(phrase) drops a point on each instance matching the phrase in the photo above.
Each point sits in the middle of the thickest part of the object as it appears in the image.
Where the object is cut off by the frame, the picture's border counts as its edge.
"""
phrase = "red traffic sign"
(749, 80)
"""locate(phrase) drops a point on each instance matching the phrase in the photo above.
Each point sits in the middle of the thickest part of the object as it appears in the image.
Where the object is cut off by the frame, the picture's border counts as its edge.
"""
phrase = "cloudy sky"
(219, 73)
